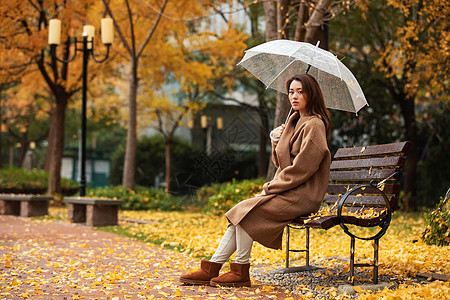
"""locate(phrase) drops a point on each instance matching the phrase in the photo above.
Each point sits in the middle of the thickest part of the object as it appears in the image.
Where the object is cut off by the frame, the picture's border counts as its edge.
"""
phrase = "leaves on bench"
(359, 213)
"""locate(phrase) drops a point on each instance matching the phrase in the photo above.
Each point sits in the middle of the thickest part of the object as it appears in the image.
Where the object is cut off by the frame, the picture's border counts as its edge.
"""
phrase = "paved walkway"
(57, 260)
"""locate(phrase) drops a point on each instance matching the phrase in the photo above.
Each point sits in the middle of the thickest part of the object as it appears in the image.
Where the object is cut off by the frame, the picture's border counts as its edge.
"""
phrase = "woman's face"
(297, 97)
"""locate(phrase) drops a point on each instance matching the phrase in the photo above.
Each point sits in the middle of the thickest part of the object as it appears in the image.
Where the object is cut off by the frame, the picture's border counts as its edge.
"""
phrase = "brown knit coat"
(303, 163)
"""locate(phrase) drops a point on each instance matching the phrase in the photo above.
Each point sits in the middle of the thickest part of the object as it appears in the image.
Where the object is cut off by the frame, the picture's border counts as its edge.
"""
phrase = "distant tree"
(24, 43)
(198, 63)
(151, 37)
(135, 39)
(402, 50)
(266, 98)
(25, 121)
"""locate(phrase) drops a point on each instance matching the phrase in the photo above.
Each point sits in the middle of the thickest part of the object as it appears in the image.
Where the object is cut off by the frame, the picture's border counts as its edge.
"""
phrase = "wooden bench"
(93, 211)
(363, 190)
(24, 205)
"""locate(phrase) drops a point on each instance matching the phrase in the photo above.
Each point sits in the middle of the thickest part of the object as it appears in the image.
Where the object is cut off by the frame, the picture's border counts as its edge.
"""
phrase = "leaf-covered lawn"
(402, 252)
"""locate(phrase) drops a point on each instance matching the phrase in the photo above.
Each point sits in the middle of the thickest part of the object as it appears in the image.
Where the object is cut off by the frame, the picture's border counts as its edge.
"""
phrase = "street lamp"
(54, 39)
(205, 124)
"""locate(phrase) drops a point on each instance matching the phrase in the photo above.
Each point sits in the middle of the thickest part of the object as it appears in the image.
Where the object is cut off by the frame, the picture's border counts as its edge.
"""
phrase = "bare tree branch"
(118, 29)
(152, 31)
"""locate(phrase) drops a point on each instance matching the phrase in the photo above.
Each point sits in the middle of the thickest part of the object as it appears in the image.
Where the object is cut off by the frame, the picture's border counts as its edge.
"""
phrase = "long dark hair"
(315, 104)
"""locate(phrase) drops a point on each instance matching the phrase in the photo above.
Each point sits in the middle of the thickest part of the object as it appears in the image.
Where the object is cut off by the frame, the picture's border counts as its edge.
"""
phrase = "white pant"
(234, 239)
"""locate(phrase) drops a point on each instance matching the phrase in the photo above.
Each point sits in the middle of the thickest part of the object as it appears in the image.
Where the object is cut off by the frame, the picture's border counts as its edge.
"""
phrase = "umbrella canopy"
(275, 62)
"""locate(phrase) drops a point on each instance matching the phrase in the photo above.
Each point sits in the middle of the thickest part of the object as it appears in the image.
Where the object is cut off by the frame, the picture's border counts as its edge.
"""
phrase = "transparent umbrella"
(274, 62)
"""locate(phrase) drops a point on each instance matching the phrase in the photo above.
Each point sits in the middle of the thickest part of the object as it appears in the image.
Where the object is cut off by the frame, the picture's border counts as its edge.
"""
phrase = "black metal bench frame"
(360, 178)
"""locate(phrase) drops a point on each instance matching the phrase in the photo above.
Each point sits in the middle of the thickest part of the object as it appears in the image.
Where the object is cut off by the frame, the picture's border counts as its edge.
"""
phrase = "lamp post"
(205, 124)
(87, 47)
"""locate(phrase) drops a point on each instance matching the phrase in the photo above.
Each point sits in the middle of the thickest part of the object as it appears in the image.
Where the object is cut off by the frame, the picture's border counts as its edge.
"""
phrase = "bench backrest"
(361, 165)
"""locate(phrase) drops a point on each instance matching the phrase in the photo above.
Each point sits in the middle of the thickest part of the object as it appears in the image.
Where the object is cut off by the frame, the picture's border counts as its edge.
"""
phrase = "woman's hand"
(276, 133)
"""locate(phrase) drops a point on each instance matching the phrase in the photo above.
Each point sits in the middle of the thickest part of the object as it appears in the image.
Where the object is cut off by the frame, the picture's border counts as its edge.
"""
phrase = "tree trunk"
(1, 123)
(51, 136)
(263, 137)
(24, 143)
(130, 151)
(410, 178)
(168, 159)
(58, 120)
(303, 15)
(317, 28)
(282, 19)
(281, 112)
(282, 105)
(270, 16)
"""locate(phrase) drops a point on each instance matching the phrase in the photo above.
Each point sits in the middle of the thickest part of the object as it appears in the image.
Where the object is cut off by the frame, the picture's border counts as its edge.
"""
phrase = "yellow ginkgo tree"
(156, 39)
(24, 112)
(26, 60)
(197, 64)
(410, 47)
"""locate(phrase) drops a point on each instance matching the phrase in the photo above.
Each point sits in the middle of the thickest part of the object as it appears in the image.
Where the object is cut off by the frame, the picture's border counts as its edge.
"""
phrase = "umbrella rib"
(278, 75)
(339, 69)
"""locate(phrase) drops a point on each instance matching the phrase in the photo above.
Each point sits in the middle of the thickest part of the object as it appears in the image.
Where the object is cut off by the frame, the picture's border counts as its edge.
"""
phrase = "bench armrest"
(384, 221)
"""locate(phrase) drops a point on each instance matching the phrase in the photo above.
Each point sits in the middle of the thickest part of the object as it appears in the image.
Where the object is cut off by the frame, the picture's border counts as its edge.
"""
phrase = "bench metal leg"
(287, 245)
(306, 250)
(288, 269)
(375, 260)
(307, 247)
(374, 265)
(352, 260)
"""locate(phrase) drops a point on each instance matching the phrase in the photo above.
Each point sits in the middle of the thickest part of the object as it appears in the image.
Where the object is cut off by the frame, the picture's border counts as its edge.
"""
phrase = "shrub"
(220, 197)
(142, 198)
(437, 231)
(16, 180)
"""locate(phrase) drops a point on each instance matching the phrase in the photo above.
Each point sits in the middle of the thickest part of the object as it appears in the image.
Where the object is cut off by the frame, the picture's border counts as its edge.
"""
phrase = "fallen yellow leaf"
(178, 293)
(358, 289)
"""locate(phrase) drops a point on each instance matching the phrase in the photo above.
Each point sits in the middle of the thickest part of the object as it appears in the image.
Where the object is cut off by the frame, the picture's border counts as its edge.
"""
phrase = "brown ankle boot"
(208, 270)
(238, 276)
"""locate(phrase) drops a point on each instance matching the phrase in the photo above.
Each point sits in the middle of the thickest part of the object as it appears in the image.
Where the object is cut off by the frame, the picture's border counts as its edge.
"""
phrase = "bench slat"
(393, 161)
(327, 222)
(376, 150)
(359, 201)
(361, 175)
(343, 188)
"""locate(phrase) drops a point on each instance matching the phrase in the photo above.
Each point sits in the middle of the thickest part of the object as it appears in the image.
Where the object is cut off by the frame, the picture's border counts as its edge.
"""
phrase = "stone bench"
(93, 211)
(24, 205)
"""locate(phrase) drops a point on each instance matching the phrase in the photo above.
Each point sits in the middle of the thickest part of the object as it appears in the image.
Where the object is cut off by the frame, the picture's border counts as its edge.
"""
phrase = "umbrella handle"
(307, 69)
(271, 133)
(287, 118)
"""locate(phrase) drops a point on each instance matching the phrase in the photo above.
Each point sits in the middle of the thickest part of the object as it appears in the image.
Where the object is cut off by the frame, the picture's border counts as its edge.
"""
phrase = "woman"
(302, 158)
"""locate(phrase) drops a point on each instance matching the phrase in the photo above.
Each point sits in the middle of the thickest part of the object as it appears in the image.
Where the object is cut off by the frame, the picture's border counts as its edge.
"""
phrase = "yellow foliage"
(398, 254)
(421, 62)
